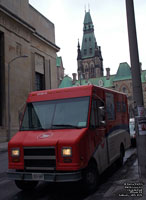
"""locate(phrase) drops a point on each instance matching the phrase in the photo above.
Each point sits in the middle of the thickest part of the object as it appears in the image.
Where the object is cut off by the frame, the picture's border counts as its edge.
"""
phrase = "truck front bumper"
(49, 177)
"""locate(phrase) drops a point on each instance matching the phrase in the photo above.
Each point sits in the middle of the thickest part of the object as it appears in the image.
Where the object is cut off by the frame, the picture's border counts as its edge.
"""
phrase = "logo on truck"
(44, 135)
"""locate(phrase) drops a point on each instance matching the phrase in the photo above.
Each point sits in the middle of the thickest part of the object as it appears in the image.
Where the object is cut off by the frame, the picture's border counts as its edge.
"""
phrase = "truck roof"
(61, 93)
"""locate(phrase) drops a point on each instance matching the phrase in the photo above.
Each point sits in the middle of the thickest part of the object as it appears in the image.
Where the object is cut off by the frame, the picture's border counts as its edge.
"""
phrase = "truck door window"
(92, 116)
(110, 106)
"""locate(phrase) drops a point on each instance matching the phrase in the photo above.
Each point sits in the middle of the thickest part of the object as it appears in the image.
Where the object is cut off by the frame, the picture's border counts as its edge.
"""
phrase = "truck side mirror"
(102, 116)
(102, 123)
(102, 110)
(20, 118)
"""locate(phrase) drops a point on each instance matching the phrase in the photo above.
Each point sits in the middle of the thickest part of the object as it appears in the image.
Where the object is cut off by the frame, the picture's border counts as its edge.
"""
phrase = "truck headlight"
(66, 151)
(15, 152)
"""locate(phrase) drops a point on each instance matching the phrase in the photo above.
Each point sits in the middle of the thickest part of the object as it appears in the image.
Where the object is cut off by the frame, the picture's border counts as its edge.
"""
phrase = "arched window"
(86, 68)
(124, 89)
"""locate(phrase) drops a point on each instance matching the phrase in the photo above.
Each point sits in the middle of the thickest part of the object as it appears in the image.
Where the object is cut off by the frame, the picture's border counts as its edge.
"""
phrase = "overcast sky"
(110, 27)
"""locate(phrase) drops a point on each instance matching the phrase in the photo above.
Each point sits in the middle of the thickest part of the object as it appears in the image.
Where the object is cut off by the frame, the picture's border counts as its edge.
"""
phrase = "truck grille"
(39, 158)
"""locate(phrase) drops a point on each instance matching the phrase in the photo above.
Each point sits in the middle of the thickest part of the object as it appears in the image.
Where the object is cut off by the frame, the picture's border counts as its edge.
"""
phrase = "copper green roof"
(87, 18)
(89, 40)
(66, 82)
(58, 61)
(123, 73)
(101, 81)
(88, 45)
(143, 76)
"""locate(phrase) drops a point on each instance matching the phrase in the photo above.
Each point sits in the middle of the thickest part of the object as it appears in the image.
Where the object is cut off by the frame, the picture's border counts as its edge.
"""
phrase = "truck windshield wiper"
(65, 126)
(31, 128)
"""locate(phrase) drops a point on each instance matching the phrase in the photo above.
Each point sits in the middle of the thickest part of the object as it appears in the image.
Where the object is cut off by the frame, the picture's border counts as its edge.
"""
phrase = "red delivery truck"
(69, 134)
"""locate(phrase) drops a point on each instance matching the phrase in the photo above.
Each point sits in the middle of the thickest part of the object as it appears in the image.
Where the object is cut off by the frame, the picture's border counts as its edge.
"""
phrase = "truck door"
(98, 129)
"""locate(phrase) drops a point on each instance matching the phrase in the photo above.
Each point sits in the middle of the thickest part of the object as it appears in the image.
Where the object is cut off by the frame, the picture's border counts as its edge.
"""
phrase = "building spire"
(89, 57)
(79, 51)
(78, 44)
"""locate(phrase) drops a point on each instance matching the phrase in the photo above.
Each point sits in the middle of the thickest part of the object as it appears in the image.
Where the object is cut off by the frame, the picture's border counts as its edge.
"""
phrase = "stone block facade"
(24, 31)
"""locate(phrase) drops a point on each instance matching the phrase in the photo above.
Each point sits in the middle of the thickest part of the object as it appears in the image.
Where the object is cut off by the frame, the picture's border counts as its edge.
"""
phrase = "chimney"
(74, 77)
(108, 73)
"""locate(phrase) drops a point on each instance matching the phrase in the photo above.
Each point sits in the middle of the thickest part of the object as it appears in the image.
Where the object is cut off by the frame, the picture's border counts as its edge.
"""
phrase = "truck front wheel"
(90, 178)
(26, 185)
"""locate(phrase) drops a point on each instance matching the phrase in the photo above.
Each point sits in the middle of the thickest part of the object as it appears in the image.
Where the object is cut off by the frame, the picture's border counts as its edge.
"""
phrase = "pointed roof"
(79, 51)
(58, 61)
(87, 18)
(66, 82)
(123, 73)
(89, 40)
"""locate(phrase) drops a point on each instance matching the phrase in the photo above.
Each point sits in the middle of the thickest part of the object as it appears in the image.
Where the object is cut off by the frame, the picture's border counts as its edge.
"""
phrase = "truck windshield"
(56, 114)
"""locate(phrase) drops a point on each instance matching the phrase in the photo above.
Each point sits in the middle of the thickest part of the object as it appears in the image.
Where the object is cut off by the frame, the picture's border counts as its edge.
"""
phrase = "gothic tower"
(89, 57)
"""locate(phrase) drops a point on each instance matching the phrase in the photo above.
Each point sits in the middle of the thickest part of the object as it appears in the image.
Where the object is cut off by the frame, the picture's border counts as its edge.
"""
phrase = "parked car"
(132, 132)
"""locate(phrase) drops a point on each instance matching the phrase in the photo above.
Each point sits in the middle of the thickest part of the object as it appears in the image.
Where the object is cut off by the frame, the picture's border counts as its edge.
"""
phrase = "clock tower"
(89, 59)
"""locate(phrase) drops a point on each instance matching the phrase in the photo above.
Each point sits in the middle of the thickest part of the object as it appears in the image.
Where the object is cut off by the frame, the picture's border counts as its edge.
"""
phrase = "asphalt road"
(68, 191)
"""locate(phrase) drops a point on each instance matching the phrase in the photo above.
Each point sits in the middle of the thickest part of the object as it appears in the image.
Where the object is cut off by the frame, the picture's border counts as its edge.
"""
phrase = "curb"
(3, 174)
(4, 147)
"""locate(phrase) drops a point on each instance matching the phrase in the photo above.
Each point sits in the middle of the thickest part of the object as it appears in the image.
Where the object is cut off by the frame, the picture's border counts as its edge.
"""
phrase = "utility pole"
(137, 90)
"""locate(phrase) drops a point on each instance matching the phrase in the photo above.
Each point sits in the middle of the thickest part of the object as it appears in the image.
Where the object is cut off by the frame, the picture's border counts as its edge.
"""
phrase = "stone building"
(121, 81)
(90, 68)
(24, 31)
(89, 57)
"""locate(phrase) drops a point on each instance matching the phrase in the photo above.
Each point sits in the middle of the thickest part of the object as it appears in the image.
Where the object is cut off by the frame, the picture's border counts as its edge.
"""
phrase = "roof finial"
(85, 8)
(78, 44)
(88, 7)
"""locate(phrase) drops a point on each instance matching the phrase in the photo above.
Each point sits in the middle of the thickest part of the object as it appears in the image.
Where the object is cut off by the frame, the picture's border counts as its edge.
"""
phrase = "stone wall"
(24, 36)
(126, 87)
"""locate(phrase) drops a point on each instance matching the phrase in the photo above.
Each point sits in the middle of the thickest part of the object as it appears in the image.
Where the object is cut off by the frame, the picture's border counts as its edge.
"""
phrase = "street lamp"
(9, 115)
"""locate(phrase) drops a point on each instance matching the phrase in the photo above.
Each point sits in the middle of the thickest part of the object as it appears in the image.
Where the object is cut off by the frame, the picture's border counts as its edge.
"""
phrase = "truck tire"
(90, 178)
(26, 185)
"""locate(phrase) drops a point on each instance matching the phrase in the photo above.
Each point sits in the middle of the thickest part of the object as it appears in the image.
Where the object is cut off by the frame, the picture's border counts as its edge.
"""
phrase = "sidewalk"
(130, 187)
(3, 146)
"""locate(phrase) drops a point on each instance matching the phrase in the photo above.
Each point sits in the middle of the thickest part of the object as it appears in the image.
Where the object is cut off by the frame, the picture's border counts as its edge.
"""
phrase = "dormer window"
(90, 50)
(85, 51)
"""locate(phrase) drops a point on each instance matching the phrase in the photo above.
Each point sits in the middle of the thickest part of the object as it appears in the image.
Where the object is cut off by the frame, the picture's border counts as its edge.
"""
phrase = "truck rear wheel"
(90, 178)
(26, 185)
